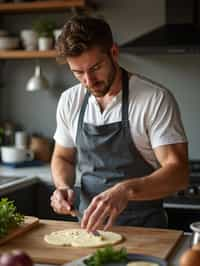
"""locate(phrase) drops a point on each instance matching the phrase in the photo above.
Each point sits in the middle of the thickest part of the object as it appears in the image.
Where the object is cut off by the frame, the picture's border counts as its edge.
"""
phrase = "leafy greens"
(9, 217)
(106, 255)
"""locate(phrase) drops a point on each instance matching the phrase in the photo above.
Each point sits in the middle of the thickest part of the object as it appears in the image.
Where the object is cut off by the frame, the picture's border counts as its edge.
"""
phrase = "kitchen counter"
(151, 241)
(30, 175)
(182, 246)
(43, 172)
(17, 178)
(30, 188)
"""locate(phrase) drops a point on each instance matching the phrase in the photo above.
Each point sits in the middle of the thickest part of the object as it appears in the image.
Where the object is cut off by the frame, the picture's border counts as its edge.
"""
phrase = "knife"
(76, 213)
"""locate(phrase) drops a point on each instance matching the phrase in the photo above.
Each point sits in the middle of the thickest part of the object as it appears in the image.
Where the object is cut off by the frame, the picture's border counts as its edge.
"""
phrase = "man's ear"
(115, 51)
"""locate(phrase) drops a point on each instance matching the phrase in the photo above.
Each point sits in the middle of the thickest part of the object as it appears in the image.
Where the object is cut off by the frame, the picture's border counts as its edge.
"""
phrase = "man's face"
(95, 70)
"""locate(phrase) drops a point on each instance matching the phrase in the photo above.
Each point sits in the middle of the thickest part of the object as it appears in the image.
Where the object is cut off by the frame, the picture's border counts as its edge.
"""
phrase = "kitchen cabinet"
(34, 200)
(24, 199)
(182, 218)
(37, 6)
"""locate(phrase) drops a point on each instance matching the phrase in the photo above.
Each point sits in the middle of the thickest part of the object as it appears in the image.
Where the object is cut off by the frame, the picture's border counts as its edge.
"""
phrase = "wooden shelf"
(40, 6)
(21, 54)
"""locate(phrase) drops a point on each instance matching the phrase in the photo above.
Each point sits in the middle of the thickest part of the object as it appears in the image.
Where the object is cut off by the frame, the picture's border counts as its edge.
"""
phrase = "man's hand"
(62, 200)
(104, 208)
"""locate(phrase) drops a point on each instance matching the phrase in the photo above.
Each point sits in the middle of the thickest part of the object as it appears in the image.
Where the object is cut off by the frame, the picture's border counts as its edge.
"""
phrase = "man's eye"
(95, 68)
(78, 73)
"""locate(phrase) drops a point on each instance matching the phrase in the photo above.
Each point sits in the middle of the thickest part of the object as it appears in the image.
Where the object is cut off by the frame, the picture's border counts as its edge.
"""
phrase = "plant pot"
(45, 43)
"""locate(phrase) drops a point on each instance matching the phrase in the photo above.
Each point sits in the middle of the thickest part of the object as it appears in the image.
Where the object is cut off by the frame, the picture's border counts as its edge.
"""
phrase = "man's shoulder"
(73, 94)
(72, 98)
(74, 91)
(143, 86)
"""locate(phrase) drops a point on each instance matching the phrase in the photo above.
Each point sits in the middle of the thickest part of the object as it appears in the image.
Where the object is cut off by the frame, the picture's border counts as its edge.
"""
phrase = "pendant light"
(38, 81)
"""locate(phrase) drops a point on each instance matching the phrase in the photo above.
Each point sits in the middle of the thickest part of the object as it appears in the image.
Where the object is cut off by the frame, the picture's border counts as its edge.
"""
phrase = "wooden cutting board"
(156, 242)
(29, 223)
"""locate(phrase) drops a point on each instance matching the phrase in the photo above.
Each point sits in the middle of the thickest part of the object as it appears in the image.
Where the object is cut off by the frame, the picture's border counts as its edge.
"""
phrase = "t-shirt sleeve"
(164, 123)
(62, 134)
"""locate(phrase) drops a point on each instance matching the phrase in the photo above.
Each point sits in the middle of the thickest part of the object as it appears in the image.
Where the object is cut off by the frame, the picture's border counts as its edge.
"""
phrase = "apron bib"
(106, 155)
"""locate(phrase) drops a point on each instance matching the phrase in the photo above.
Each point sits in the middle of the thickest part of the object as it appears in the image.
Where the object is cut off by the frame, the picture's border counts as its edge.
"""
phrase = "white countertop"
(43, 172)
(25, 176)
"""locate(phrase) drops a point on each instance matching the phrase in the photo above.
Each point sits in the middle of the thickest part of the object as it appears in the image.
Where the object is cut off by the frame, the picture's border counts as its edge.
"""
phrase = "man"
(122, 132)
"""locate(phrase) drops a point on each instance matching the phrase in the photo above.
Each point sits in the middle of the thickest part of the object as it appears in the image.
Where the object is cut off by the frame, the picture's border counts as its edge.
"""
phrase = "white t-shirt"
(154, 116)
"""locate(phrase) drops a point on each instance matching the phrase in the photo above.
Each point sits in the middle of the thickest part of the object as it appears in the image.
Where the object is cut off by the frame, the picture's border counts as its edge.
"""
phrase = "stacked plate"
(7, 42)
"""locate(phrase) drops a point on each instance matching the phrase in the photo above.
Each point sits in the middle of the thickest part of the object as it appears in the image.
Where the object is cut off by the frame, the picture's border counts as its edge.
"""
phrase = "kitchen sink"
(8, 179)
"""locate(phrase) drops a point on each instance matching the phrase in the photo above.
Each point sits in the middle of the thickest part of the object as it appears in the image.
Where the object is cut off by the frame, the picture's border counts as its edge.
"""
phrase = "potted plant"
(44, 29)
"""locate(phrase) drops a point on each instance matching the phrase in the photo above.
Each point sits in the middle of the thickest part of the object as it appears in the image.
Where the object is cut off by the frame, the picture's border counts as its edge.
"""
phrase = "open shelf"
(21, 54)
(40, 6)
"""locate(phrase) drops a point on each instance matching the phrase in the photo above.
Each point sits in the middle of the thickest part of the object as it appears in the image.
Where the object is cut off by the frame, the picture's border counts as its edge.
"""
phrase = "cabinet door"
(24, 199)
(34, 200)
(181, 219)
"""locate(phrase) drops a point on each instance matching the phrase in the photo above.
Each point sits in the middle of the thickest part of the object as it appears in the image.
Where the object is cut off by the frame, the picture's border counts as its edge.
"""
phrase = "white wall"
(128, 19)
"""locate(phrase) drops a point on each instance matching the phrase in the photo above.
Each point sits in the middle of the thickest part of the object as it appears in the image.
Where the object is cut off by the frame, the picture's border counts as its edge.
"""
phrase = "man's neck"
(114, 90)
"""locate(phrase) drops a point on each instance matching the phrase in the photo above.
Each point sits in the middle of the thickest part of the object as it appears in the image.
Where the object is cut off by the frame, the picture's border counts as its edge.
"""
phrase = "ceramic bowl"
(3, 32)
(7, 43)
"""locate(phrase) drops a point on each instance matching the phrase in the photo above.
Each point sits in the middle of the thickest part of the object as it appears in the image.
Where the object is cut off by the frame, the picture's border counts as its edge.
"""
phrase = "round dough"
(142, 263)
(81, 238)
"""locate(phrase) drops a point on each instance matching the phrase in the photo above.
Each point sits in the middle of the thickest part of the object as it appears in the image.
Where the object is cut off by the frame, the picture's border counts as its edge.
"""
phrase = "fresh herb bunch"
(9, 217)
(106, 255)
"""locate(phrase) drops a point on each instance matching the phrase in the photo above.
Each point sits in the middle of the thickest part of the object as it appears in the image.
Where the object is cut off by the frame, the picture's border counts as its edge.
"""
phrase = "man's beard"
(101, 88)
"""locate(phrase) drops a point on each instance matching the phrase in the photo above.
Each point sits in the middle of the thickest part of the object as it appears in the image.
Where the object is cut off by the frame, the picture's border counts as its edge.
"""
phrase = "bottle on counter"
(21, 139)
(41, 147)
(8, 139)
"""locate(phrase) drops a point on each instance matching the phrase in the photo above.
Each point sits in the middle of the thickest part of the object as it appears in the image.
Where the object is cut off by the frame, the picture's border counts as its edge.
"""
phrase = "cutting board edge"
(28, 225)
(52, 225)
(175, 244)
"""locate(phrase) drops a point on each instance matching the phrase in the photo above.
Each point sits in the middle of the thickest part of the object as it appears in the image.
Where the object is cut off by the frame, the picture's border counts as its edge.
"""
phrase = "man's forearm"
(159, 184)
(63, 172)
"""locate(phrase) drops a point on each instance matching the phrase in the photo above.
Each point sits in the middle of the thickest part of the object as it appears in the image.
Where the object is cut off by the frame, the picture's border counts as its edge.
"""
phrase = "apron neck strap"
(82, 111)
(125, 94)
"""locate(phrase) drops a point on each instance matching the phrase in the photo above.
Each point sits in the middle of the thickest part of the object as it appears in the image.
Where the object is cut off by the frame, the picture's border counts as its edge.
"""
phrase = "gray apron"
(106, 155)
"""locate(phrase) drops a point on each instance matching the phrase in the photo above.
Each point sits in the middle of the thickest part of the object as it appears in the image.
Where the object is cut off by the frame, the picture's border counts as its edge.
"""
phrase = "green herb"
(9, 217)
(106, 255)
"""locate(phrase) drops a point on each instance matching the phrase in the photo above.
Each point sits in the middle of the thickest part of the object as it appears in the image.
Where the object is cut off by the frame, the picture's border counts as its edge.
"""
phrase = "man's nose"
(89, 79)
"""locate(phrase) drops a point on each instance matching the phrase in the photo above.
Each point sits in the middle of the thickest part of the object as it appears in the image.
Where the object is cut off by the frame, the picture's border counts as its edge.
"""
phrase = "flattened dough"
(142, 263)
(81, 238)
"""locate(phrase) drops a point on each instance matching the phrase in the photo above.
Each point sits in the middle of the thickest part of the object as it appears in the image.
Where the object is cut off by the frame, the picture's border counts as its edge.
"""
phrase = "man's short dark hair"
(81, 33)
